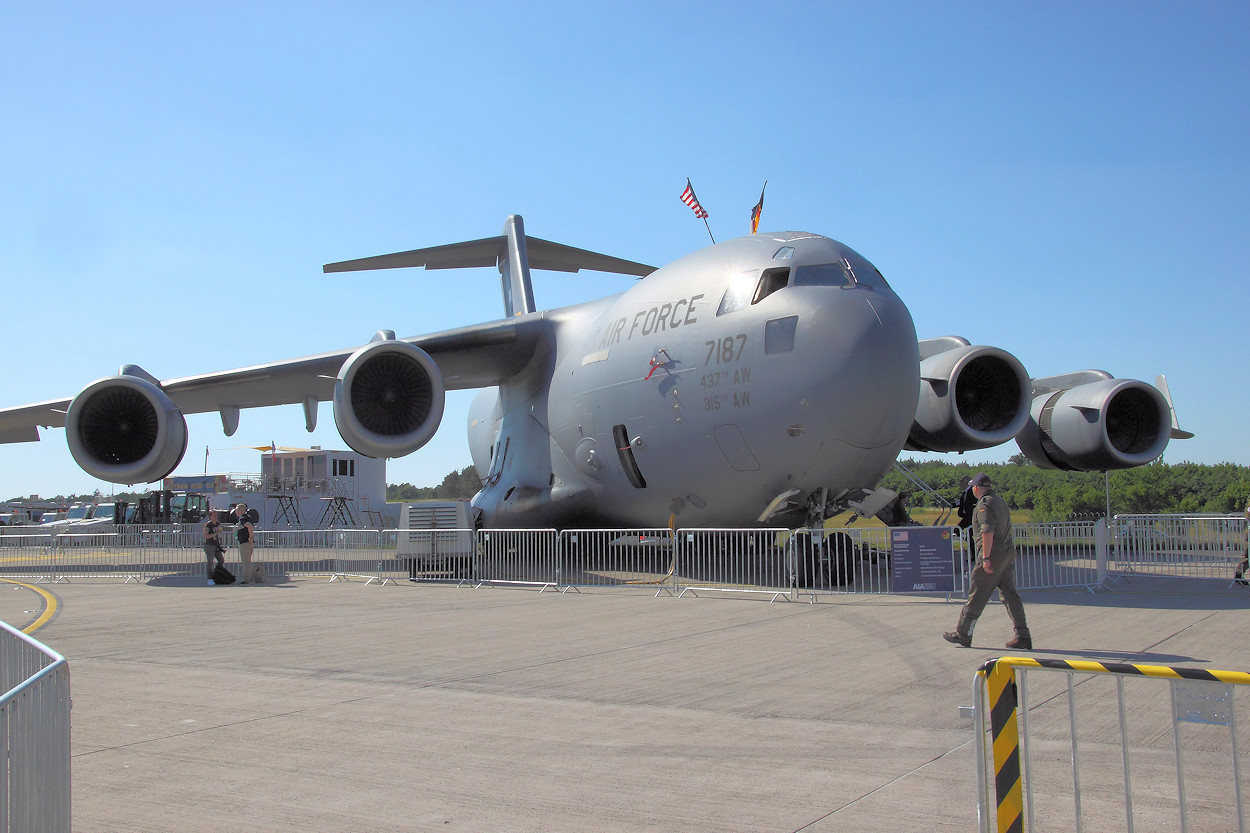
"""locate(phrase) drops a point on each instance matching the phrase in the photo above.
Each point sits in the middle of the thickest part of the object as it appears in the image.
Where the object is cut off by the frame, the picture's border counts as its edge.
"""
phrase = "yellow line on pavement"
(49, 605)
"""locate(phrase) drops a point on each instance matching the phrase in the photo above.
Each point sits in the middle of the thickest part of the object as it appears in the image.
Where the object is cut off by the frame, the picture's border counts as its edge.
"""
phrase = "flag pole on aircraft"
(691, 200)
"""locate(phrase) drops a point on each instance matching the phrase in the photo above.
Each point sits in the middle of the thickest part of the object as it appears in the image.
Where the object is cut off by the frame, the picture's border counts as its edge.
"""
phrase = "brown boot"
(957, 638)
(1021, 643)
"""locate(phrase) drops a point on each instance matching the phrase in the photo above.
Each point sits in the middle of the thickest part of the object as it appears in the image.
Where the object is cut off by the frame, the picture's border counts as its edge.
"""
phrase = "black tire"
(841, 563)
(809, 569)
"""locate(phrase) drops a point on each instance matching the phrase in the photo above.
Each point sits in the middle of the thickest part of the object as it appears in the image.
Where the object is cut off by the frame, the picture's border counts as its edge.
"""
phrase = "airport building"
(303, 488)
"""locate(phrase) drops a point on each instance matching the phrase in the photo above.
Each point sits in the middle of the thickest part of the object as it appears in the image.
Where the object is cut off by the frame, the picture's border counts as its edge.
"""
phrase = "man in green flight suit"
(991, 528)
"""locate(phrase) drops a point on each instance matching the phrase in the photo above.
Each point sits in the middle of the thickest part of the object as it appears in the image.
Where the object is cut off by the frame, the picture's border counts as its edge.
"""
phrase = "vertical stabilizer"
(514, 269)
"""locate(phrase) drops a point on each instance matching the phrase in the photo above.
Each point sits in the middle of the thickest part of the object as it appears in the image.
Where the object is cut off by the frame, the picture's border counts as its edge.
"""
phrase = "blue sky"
(1067, 181)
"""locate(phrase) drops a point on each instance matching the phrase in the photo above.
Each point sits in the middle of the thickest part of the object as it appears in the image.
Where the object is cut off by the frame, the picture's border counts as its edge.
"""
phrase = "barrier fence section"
(1182, 546)
(736, 561)
(1101, 751)
(526, 557)
(1060, 554)
(34, 736)
(616, 557)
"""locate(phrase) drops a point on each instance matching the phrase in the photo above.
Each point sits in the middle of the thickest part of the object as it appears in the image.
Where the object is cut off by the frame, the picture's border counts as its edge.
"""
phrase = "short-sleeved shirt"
(992, 515)
(211, 529)
(242, 532)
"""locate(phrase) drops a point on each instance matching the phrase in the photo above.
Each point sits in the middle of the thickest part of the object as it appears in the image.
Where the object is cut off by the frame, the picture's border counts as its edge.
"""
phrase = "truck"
(165, 507)
(436, 539)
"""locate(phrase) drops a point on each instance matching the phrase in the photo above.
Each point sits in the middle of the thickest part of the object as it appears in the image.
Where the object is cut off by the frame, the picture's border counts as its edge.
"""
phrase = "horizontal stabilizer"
(543, 254)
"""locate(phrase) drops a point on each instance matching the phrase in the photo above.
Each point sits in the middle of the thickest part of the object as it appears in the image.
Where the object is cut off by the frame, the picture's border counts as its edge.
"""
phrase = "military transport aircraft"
(768, 380)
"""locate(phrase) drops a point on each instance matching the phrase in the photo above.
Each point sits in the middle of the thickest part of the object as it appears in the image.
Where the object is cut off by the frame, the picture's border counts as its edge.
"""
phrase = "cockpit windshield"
(862, 271)
(851, 268)
(821, 274)
(752, 286)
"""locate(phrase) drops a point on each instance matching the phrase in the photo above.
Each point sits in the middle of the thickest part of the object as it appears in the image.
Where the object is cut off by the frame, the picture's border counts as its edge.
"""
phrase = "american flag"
(691, 200)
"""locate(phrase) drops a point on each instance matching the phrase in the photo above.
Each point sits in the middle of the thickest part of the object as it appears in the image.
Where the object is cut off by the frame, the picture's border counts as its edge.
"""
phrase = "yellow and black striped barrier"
(1000, 680)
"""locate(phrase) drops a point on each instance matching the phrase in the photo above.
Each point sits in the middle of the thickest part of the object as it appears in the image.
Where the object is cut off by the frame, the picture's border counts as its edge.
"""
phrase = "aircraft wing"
(468, 357)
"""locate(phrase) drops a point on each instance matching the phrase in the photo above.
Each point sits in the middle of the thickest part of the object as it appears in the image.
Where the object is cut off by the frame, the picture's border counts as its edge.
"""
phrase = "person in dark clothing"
(967, 503)
(212, 544)
(246, 533)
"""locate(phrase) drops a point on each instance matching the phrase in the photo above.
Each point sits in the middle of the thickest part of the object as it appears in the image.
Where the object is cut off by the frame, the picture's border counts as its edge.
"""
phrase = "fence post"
(1001, 684)
(1102, 538)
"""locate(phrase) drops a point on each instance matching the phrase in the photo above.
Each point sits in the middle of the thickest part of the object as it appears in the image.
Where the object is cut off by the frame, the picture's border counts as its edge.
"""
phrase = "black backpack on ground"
(222, 576)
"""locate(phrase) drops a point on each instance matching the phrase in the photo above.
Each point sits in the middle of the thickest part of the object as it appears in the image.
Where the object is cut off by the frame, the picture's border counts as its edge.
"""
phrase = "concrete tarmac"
(310, 705)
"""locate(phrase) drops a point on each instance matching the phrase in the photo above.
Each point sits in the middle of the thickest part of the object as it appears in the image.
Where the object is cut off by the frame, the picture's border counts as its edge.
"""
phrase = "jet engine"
(1097, 426)
(970, 397)
(124, 429)
(388, 400)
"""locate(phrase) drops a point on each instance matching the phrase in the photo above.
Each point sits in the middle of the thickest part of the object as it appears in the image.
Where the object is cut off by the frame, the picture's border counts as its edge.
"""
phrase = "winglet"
(1161, 383)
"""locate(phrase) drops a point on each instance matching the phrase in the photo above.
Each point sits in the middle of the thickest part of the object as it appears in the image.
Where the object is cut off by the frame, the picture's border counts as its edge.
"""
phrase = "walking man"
(991, 529)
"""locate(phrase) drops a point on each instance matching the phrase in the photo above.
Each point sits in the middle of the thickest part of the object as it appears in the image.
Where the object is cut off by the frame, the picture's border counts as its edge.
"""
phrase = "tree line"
(457, 485)
(1158, 488)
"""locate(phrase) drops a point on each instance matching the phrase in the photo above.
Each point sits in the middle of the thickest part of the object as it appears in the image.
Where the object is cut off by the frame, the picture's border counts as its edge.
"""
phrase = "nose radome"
(872, 388)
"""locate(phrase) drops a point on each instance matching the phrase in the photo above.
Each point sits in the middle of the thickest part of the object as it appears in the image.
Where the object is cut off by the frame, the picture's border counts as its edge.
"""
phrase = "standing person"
(991, 527)
(1240, 575)
(967, 503)
(245, 532)
(212, 544)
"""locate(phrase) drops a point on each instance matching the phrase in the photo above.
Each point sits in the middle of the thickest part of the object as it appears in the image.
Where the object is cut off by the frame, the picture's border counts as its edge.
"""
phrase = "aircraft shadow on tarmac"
(271, 580)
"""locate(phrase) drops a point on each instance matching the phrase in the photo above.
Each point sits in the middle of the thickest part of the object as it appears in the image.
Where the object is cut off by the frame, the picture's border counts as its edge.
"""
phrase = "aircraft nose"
(871, 369)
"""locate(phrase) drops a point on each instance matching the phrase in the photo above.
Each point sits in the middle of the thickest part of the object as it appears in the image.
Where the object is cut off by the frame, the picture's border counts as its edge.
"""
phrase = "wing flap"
(21, 424)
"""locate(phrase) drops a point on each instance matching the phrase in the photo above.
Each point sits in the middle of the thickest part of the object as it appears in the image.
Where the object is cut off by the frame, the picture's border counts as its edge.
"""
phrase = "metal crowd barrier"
(615, 557)
(34, 736)
(1034, 745)
(1056, 555)
(516, 557)
(740, 561)
(779, 562)
(1181, 546)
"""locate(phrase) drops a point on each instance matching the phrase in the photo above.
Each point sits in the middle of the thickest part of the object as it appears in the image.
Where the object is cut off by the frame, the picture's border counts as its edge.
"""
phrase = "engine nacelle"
(388, 400)
(124, 429)
(1110, 424)
(970, 397)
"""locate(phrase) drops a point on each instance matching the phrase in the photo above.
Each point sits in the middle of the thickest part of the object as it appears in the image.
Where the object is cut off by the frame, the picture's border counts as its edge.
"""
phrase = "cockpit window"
(851, 268)
(784, 253)
(862, 271)
(822, 274)
(751, 287)
(772, 280)
(741, 290)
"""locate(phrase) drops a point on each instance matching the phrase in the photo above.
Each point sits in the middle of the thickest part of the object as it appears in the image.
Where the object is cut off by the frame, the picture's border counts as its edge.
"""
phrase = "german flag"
(755, 212)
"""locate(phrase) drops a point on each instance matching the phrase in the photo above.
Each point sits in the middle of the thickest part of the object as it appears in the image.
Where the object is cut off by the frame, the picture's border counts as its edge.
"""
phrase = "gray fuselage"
(672, 403)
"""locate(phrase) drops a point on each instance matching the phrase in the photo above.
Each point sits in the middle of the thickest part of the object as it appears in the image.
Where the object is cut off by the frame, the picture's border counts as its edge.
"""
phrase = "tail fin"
(513, 252)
